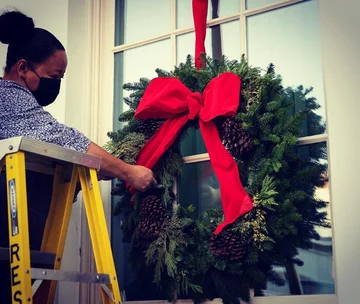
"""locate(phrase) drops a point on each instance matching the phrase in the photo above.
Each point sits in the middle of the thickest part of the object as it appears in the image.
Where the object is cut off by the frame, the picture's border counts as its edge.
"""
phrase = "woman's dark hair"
(25, 40)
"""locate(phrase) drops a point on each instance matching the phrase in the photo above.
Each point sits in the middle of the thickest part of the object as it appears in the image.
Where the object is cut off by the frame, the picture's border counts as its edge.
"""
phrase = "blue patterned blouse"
(21, 115)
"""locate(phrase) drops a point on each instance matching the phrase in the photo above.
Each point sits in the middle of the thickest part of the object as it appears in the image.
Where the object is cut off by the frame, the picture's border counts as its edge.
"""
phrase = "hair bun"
(14, 26)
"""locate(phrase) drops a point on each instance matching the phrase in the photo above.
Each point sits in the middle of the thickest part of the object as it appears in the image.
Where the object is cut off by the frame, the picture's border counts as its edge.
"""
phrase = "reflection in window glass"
(198, 186)
(220, 40)
(316, 275)
(153, 19)
(257, 3)
(193, 144)
(118, 91)
(290, 39)
(216, 9)
(143, 61)
(185, 45)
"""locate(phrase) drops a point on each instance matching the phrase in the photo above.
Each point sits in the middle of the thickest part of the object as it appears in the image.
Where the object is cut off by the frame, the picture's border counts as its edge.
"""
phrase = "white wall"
(77, 115)
(51, 15)
(89, 104)
(341, 47)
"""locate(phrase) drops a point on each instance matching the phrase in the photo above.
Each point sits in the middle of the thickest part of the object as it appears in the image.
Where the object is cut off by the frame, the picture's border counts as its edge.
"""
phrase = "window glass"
(137, 20)
(216, 9)
(220, 40)
(290, 39)
(257, 3)
(199, 186)
(118, 91)
(133, 64)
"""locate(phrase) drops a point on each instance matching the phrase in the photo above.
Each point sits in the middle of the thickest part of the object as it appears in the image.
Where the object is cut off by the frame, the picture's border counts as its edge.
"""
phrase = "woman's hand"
(140, 178)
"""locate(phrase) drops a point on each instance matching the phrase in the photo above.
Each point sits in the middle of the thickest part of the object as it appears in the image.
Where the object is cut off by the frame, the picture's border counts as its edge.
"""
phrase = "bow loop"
(221, 97)
(163, 98)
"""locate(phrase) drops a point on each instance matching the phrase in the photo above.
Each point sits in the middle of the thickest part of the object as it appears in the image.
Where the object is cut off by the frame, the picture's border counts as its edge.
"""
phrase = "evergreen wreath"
(174, 252)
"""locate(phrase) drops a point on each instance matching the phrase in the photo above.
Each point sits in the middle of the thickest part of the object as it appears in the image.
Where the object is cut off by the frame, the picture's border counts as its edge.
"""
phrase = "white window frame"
(100, 39)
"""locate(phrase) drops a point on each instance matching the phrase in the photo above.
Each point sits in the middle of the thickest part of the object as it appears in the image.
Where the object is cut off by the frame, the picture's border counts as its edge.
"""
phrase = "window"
(286, 33)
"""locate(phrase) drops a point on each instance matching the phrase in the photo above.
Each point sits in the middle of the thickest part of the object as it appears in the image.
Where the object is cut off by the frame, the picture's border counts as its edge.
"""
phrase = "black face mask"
(47, 90)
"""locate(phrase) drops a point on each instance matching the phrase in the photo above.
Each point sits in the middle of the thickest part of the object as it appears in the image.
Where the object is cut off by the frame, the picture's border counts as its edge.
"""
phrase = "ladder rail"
(97, 226)
(18, 228)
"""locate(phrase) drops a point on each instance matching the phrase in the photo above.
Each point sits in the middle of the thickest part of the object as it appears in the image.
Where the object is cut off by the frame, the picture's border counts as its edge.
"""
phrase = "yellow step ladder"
(68, 167)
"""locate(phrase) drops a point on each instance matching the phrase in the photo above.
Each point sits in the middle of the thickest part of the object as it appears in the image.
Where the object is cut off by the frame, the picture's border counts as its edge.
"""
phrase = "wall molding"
(90, 102)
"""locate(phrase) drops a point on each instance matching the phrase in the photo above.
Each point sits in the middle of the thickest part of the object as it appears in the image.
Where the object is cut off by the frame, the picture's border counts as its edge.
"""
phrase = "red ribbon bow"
(169, 98)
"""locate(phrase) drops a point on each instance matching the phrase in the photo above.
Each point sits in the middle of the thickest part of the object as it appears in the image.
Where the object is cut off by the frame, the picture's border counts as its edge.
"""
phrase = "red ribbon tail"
(200, 8)
(235, 200)
(159, 143)
(241, 209)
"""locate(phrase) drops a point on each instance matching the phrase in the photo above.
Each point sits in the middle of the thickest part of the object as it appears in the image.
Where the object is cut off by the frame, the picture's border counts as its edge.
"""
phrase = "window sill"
(305, 299)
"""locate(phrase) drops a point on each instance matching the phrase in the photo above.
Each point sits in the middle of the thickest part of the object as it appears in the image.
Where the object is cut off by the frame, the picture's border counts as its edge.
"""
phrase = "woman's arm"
(20, 115)
(139, 177)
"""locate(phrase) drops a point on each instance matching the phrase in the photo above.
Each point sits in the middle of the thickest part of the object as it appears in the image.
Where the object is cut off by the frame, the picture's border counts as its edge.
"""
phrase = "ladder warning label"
(13, 208)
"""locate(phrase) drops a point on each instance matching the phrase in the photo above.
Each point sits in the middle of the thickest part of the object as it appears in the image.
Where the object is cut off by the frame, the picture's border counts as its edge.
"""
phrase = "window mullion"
(243, 35)
(302, 141)
(173, 47)
(242, 5)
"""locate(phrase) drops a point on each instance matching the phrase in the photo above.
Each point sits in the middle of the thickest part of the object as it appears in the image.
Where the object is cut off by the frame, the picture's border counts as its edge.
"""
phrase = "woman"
(35, 64)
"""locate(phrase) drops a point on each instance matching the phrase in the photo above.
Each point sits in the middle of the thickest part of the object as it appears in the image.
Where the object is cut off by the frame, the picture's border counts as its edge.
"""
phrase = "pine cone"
(227, 244)
(234, 138)
(152, 209)
(149, 230)
(148, 127)
(152, 216)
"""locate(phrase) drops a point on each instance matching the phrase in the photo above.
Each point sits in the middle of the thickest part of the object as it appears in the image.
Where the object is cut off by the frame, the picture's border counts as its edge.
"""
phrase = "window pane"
(257, 3)
(316, 275)
(220, 40)
(290, 39)
(118, 91)
(216, 8)
(193, 144)
(138, 20)
(142, 62)
(198, 186)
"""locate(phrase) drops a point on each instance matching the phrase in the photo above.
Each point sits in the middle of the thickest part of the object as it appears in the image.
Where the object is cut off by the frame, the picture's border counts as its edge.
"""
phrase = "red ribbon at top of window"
(200, 9)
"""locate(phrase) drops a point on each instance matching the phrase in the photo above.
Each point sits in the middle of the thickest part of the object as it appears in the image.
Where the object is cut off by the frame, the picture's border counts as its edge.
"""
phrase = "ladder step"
(69, 276)
(36, 257)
